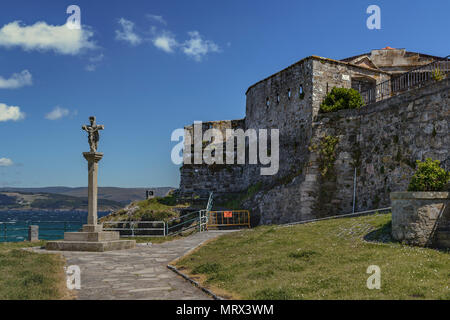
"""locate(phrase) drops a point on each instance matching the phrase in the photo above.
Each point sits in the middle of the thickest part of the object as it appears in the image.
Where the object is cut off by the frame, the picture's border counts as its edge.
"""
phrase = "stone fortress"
(377, 145)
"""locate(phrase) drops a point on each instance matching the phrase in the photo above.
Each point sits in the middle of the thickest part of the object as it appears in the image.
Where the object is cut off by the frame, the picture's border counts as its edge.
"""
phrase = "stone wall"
(421, 218)
(198, 178)
(330, 73)
(382, 141)
(283, 101)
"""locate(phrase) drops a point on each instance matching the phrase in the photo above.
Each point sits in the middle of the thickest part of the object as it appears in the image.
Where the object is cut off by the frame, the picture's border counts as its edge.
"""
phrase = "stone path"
(138, 273)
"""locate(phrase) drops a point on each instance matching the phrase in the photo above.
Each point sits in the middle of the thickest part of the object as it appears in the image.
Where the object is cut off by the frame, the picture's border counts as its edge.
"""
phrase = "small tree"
(429, 176)
(341, 98)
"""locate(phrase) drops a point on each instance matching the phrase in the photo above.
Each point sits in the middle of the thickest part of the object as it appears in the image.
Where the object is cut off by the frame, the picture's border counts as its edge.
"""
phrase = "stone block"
(91, 236)
(33, 233)
(92, 227)
(416, 216)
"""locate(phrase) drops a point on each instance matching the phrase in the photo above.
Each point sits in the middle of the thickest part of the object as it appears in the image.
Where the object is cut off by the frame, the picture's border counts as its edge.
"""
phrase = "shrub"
(327, 153)
(341, 98)
(429, 176)
(437, 75)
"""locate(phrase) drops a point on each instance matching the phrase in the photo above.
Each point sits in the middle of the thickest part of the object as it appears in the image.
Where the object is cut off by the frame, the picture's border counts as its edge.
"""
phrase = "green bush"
(341, 98)
(429, 176)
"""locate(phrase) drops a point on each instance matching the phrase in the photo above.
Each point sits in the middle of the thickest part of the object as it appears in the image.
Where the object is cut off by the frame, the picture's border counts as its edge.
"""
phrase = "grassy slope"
(30, 276)
(322, 260)
(156, 209)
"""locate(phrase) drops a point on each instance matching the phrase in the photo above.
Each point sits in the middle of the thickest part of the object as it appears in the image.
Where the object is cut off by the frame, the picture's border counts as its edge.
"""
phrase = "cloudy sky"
(146, 68)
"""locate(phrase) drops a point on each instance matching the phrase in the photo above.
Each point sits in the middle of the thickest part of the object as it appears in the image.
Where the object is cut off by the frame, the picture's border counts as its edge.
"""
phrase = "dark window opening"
(301, 93)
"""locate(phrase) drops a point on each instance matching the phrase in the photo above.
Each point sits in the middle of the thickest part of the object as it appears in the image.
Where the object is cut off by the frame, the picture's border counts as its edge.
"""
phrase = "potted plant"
(418, 214)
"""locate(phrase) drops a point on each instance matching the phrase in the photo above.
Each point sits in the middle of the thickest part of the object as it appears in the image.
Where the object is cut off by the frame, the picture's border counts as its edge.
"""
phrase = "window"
(267, 102)
(301, 93)
(361, 83)
(289, 93)
(278, 98)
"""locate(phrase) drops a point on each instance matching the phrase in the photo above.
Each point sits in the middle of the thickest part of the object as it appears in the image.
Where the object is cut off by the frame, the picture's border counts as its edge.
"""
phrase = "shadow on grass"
(381, 235)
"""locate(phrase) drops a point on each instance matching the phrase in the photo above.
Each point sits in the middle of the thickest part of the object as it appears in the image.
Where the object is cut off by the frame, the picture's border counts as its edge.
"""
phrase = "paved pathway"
(139, 273)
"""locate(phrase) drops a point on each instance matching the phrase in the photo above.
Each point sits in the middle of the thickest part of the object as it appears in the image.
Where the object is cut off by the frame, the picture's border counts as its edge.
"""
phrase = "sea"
(52, 225)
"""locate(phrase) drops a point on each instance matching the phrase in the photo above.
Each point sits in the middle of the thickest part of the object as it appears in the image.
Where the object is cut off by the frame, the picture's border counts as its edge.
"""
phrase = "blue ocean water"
(52, 225)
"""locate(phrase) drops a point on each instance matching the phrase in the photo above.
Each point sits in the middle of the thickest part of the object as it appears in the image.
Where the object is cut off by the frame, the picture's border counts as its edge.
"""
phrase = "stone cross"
(92, 157)
(93, 134)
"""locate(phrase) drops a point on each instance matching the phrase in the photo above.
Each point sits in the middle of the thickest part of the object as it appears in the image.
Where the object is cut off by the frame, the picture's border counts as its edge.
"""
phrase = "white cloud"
(127, 33)
(156, 18)
(166, 42)
(5, 162)
(91, 67)
(57, 113)
(196, 47)
(94, 61)
(44, 37)
(17, 80)
(10, 113)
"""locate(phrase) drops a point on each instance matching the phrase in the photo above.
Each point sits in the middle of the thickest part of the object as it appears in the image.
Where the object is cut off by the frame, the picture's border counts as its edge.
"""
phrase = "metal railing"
(435, 71)
(196, 220)
(232, 218)
(137, 228)
(339, 216)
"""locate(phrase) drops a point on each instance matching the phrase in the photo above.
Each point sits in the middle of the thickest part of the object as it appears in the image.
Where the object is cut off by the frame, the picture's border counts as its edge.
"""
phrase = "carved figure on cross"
(93, 133)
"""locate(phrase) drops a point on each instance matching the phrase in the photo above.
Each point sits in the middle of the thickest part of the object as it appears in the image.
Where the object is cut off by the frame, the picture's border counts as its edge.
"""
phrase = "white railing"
(135, 230)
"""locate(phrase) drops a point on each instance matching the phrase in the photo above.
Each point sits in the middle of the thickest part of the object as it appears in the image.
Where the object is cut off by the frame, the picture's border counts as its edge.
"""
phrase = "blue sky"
(146, 68)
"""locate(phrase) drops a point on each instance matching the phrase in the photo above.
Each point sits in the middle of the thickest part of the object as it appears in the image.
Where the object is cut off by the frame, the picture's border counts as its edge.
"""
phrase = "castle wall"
(382, 140)
(329, 73)
(282, 101)
(197, 178)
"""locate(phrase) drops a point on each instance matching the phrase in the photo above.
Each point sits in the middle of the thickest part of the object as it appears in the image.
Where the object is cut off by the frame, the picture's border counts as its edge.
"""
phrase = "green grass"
(155, 209)
(30, 276)
(322, 260)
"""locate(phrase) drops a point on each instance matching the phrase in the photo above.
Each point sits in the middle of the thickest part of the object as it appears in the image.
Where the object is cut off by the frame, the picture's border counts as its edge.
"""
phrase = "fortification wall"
(283, 102)
(196, 178)
(382, 141)
(330, 73)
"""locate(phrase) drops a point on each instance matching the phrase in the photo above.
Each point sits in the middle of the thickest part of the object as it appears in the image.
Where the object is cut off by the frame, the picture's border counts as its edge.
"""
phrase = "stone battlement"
(382, 140)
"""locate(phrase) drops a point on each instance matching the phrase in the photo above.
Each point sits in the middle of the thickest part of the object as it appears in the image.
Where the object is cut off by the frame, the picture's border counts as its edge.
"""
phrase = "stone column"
(92, 158)
(33, 233)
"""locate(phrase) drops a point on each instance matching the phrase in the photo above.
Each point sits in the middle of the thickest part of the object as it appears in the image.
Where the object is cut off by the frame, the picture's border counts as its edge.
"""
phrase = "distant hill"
(15, 200)
(122, 195)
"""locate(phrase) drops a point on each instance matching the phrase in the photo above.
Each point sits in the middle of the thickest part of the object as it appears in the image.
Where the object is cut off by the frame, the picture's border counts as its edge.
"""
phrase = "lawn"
(30, 276)
(321, 260)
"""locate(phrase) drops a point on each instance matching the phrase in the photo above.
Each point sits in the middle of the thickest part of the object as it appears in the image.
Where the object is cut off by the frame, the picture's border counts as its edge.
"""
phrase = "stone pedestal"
(92, 158)
(33, 233)
(421, 218)
(92, 237)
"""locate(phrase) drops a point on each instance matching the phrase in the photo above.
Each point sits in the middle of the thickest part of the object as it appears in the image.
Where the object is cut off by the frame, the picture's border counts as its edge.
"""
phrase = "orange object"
(228, 214)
